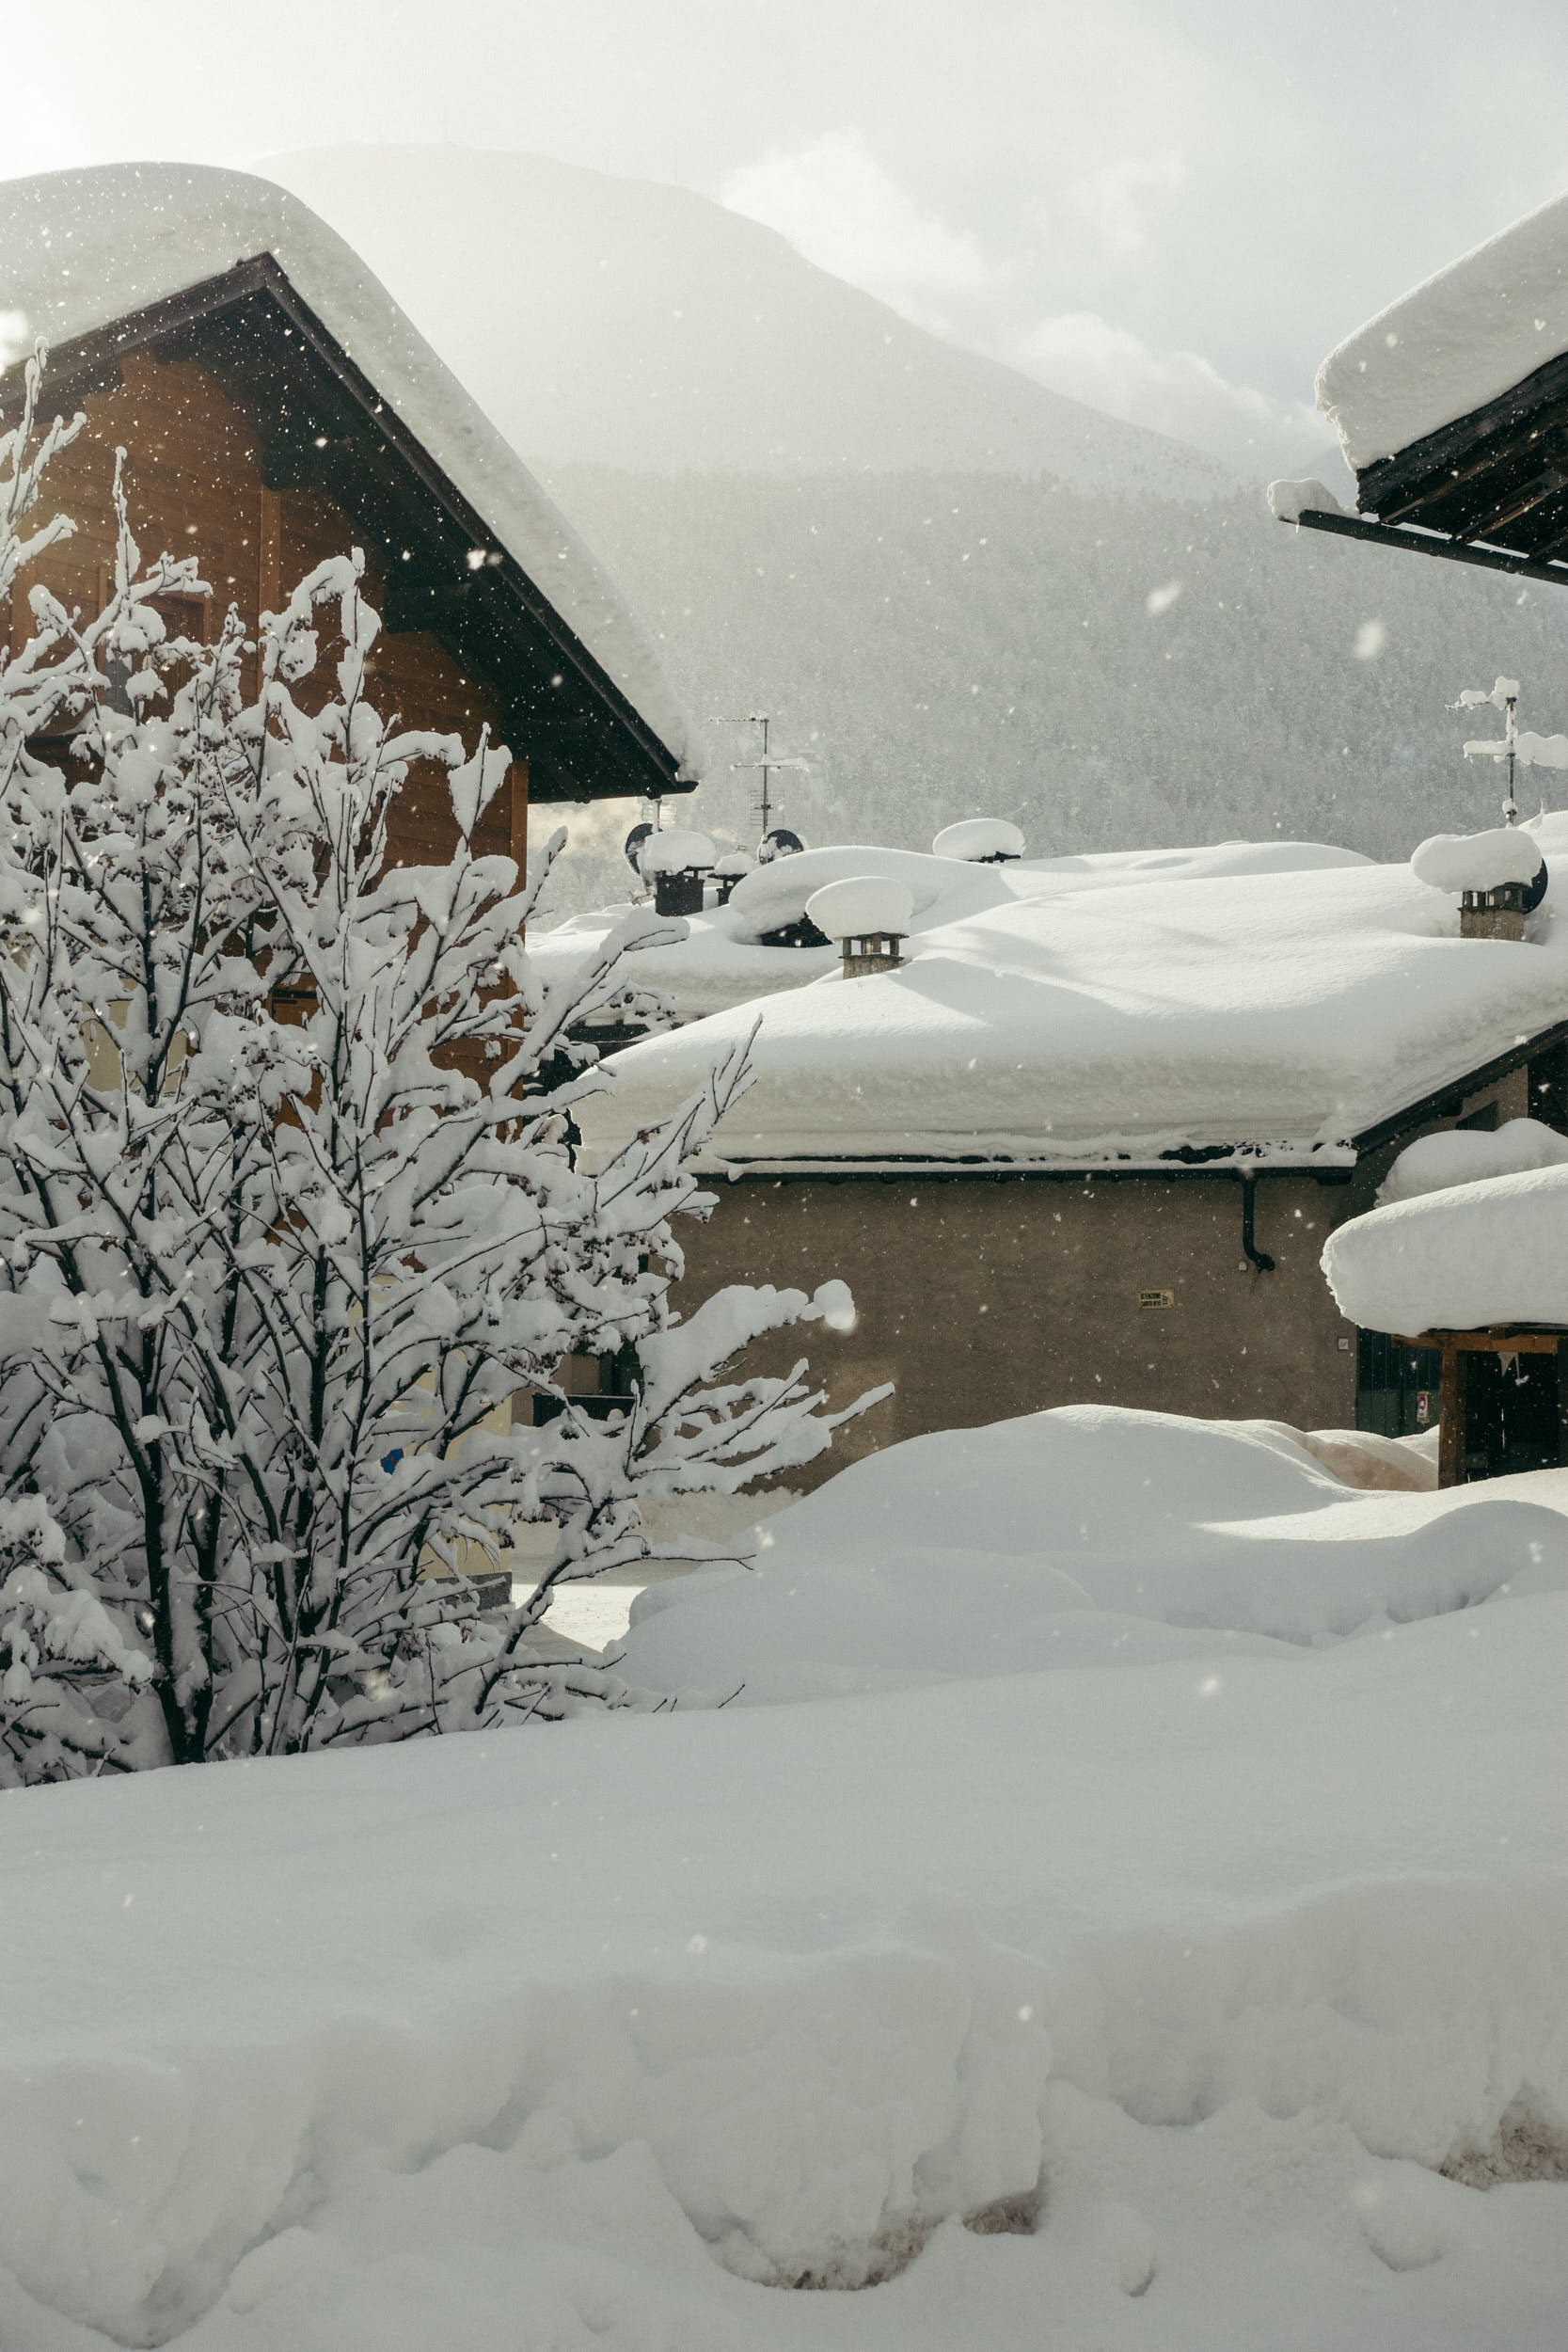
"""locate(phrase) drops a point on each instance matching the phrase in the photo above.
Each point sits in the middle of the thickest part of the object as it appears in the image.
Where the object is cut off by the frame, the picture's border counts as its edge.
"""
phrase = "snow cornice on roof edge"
(83, 252)
(1462, 338)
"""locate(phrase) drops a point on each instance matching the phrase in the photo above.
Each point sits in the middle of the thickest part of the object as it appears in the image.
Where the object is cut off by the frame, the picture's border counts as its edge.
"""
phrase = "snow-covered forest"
(1106, 674)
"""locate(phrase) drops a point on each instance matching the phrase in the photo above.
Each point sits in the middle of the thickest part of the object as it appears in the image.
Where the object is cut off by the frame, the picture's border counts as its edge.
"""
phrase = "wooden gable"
(257, 446)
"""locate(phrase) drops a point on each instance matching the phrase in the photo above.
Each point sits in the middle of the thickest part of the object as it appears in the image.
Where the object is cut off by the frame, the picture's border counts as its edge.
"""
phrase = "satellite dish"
(1535, 891)
(632, 846)
(781, 842)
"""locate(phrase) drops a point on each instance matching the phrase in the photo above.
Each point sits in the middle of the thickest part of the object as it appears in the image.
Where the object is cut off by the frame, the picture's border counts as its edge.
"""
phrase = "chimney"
(1498, 913)
(732, 868)
(675, 861)
(1499, 877)
(869, 915)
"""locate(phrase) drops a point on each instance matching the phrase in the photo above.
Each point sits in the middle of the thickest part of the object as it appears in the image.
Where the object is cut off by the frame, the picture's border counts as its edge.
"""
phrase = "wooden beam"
(1450, 1406)
(1432, 542)
(1499, 1342)
(516, 785)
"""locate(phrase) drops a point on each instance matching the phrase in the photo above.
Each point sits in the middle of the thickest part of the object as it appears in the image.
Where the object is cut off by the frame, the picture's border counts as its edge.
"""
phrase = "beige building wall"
(985, 1296)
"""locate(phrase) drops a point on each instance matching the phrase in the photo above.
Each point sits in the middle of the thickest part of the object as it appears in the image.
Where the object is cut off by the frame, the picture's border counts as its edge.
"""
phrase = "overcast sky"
(1170, 208)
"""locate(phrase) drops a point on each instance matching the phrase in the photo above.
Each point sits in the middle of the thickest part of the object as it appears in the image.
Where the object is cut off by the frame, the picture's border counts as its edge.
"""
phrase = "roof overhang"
(1490, 488)
(1328, 1163)
(321, 422)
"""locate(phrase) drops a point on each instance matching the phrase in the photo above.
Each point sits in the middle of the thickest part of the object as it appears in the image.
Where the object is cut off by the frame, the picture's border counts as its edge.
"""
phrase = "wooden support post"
(516, 785)
(269, 555)
(1451, 1408)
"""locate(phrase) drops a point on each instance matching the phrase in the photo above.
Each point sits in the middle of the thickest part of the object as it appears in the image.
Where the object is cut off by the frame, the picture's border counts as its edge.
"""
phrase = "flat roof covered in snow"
(1281, 1016)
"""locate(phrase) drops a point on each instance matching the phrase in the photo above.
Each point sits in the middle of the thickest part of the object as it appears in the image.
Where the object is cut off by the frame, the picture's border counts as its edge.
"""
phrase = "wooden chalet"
(277, 409)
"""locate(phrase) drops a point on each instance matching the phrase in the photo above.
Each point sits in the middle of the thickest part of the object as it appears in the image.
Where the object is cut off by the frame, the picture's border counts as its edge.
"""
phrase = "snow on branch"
(295, 1242)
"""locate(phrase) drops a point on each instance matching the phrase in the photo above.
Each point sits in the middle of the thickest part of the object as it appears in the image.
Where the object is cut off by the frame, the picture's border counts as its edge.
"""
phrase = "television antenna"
(768, 764)
(1511, 748)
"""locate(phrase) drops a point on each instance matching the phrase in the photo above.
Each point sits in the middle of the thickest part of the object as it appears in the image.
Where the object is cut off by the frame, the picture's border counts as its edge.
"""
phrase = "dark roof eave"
(89, 363)
(1244, 1159)
(1431, 543)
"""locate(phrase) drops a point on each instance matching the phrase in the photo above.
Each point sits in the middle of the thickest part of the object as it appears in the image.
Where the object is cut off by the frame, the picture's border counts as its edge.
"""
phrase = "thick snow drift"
(1465, 335)
(1286, 1012)
(80, 250)
(1192, 1963)
(1491, 1252)
(1075, 1538)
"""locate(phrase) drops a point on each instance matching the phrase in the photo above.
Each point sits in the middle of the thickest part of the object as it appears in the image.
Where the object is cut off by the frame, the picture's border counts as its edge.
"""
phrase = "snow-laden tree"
(287, 1220)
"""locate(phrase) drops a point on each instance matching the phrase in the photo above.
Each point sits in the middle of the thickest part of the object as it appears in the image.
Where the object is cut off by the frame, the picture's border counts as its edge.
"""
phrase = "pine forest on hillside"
(945, 644)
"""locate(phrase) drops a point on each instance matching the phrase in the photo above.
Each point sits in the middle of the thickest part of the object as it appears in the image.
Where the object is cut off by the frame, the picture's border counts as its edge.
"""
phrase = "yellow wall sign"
(1156, 1298)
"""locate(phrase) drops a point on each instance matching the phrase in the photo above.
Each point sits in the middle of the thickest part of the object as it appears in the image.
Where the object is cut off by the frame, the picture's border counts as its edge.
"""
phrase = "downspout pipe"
(1257, 1259)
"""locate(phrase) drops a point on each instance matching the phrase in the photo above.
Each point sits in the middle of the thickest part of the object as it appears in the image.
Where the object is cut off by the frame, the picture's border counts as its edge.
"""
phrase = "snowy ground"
(1175, 1939)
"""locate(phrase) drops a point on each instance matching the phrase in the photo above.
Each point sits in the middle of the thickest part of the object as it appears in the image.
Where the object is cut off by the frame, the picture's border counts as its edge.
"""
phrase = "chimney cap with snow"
(870, 914)
(980, 841)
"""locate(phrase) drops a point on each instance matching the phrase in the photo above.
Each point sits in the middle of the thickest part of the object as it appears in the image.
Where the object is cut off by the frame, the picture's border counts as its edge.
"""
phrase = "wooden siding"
(194, 479)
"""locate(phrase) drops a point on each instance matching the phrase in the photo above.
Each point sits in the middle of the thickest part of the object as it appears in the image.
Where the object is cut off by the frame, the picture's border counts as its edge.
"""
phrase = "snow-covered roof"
(720, 961)
(1282, 1013)
(80, 250)
(1468, 1258)
(1467, 1155)
(1460, 339)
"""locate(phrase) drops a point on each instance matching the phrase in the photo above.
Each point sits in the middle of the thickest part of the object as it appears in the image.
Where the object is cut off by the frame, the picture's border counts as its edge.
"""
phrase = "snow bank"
(1462, 1155)
(1205, 1951)
(1109, 1023)
(79, 249)
(1489, 1251)
(1460, 339)
(340, 2048)
(1477, 861)
(1076, 1536)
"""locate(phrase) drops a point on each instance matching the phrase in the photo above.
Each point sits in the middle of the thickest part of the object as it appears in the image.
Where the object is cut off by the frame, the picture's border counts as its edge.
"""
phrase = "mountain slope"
(945, 646)
(956, 593)
(625, 323)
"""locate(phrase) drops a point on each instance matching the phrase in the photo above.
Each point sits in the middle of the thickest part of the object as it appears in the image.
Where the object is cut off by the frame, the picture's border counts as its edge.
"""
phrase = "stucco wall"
(986, 1296)
(983, 1298)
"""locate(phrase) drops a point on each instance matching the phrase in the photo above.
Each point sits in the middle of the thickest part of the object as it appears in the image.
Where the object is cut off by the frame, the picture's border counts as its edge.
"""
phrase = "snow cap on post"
(980, 840)
(1289, 500)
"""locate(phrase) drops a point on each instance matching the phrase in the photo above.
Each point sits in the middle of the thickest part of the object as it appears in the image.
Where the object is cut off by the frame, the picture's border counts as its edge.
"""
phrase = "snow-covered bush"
(286, 1220)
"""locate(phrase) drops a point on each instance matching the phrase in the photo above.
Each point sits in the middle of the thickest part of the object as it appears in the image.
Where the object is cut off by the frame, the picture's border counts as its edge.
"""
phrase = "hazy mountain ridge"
(934, 573)
(951, 644)
(621, 321)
